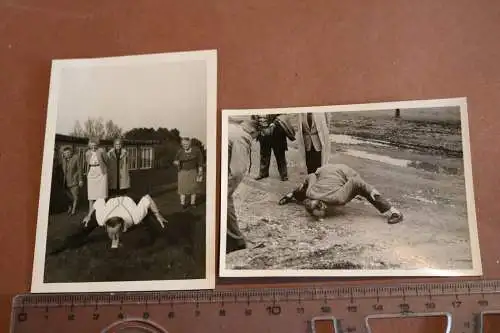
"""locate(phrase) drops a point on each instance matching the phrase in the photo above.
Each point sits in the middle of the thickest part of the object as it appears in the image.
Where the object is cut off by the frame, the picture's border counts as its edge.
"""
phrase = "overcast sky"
(171, 95)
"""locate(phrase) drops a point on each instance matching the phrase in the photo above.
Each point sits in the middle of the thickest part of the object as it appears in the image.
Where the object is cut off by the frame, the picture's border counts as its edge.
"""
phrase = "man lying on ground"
(337, 185)
(117, 214)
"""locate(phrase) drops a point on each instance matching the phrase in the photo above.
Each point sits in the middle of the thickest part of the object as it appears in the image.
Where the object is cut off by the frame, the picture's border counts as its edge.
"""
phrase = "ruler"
(454, 307)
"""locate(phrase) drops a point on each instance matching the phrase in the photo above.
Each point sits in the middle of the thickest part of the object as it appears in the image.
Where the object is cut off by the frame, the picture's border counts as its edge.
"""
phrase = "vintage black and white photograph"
(128, 157)
(379, 189)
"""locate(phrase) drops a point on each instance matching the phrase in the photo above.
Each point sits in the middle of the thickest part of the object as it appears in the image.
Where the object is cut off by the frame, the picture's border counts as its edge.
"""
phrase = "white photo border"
(461, 102)
(37, 283)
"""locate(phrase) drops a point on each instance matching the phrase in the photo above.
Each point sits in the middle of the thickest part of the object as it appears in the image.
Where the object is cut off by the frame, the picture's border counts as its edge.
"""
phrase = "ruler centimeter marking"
(294, 293)
(465, 305)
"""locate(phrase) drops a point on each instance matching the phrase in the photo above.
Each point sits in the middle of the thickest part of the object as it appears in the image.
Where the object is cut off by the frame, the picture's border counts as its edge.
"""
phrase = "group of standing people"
(312, 135)
(110, 206)
(107, 172)
(108, 182)
(325, 184)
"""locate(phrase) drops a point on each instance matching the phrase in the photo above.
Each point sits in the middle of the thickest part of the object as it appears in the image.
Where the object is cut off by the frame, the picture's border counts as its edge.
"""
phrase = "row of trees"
(96, 128)
(169, 139)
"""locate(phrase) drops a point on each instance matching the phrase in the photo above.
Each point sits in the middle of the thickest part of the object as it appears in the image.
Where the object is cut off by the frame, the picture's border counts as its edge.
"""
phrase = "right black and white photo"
(379, 189)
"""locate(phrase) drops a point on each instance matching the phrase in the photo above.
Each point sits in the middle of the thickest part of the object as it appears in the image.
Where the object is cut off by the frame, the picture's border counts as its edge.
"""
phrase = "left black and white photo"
(129, 154)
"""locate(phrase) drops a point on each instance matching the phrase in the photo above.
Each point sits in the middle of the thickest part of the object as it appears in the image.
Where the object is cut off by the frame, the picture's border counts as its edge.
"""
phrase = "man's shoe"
(395, 218)
(261, 177)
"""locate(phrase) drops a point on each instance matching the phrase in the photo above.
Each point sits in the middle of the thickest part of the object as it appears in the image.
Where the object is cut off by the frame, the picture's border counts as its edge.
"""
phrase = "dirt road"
(434, 233)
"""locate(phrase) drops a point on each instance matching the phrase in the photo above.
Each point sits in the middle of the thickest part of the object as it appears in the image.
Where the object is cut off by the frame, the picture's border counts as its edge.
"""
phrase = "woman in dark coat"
(118, 170)
(189, 161)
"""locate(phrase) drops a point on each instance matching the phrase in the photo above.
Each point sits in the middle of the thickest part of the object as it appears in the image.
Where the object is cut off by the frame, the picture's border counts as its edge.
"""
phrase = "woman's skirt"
(186, 183)
(97, 184)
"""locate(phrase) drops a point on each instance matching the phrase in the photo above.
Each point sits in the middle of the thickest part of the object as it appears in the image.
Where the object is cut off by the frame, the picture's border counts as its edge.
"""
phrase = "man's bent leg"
(280, 155)
(380, 202)
(234, 238)
(354, 186)
(265, 157)
(74, 194)
(146, 206)
(313, 160)
(344, 194)
(383, 206)
(357, 186)
(361, 187)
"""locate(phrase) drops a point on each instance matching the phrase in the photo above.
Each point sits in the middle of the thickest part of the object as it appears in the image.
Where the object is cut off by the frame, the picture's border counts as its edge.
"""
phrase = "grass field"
(177, 252)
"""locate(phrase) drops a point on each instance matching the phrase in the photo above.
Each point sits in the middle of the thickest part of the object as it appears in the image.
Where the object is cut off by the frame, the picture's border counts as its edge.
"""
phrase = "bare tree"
(96, 127)
(77, 130)
(113, 131)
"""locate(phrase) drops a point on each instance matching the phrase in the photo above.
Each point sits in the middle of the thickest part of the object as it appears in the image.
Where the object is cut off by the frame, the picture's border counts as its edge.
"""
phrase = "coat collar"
(71, 158)
(305, 122)
(123, 152)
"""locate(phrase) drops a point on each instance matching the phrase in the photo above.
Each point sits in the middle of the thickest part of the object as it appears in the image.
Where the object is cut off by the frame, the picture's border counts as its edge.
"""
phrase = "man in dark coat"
(59, 199)
(271, 137)
(73, 178)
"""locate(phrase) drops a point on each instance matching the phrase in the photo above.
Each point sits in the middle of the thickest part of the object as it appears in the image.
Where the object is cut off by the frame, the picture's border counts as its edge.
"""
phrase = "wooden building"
(141, 152)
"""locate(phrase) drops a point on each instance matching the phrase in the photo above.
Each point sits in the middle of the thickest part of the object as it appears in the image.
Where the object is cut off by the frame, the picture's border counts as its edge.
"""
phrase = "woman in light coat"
(97, 172)
(313, 137)
(118, 169)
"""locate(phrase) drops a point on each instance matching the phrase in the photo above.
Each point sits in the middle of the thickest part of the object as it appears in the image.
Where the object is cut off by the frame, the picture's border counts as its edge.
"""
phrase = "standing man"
(73, 179)
(314, 139)
(118, 173)
(271, 137)
(337, 185)
(240, 136)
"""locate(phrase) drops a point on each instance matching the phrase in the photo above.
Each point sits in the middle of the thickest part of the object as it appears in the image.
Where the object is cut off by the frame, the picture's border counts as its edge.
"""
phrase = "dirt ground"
(434, 233)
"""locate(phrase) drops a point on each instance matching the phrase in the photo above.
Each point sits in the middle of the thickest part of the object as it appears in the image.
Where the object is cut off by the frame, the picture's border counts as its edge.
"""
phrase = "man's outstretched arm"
(299, 194)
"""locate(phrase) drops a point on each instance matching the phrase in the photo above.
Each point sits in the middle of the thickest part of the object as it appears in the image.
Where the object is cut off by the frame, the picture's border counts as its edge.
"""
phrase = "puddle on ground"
(351, 140)
(378, 157)
(427, 166)
(434, 167)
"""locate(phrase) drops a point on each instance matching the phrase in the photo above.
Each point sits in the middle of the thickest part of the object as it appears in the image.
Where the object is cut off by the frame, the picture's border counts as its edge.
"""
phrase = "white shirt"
(93, 159)
(123, 207)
